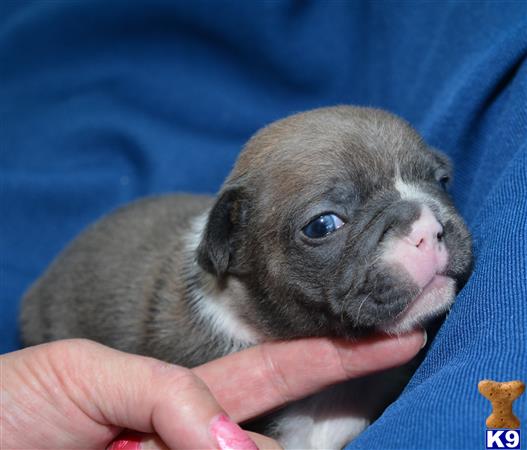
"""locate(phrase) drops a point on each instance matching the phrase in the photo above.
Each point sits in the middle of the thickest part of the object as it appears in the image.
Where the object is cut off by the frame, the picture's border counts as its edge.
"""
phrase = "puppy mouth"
(434, 298)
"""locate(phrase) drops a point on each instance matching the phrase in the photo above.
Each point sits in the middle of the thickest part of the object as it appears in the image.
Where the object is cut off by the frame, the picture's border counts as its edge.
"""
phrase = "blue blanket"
(102, 102)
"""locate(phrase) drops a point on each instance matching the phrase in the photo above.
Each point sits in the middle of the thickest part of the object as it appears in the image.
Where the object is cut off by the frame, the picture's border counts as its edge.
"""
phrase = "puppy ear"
(217, 248)
(443, 160)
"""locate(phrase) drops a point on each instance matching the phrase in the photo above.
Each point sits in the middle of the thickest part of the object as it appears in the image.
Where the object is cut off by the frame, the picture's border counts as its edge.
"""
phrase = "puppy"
(333, 222)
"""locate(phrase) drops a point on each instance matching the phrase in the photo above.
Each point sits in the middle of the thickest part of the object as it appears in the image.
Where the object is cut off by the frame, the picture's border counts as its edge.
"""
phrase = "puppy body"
(187, 278)
(132, 282)
(175, 311)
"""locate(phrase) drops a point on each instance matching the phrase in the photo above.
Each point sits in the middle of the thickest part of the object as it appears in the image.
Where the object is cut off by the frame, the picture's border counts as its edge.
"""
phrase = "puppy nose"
(422, 252)
(426, 231)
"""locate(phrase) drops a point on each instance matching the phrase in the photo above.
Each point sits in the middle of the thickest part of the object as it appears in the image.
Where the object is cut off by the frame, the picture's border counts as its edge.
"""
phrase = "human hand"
(79, 394)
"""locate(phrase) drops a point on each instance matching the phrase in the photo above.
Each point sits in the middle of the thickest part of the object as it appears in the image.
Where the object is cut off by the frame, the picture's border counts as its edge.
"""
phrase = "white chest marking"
(216, 311)
(214, 305)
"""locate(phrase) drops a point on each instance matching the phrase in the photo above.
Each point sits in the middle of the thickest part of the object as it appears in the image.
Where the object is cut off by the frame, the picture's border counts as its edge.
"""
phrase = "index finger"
(263, 378)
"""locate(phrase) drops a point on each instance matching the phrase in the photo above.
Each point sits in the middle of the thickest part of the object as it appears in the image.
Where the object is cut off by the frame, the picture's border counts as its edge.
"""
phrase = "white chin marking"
(435, 298)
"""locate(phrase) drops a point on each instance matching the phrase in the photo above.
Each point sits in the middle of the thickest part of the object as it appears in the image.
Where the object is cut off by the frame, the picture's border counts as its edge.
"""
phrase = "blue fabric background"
(102, 102)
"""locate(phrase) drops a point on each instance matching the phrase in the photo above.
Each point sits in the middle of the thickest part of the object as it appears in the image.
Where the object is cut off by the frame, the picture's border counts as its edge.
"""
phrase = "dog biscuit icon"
(501, 397)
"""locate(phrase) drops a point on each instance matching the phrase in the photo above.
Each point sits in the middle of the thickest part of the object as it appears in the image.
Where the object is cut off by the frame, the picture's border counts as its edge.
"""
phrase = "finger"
(144, 394)
(131, 440)
(260, 379)
(142, 441)
(264, 442)
(152, 442)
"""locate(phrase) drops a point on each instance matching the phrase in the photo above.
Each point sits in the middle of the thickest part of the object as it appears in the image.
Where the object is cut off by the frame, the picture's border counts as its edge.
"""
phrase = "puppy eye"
(443, 182)
(322, 226)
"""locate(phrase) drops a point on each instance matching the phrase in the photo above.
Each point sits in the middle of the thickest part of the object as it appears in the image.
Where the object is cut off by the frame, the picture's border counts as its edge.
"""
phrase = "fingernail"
(425, 338)
(128, 441)
(229, 435)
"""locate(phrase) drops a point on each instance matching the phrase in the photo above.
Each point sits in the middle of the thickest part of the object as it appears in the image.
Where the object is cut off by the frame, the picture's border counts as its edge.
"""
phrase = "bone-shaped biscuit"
(501, 396)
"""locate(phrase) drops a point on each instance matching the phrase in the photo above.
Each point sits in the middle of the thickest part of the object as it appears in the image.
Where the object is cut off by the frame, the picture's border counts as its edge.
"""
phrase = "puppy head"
(337, 222)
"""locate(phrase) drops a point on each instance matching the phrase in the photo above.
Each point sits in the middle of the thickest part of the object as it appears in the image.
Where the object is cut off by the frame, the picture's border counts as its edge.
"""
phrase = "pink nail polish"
(128, 441)
(229, 435)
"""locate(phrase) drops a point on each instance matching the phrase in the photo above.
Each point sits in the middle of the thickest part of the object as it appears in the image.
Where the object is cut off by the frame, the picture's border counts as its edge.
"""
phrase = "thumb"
(117, 390)
(153, 396)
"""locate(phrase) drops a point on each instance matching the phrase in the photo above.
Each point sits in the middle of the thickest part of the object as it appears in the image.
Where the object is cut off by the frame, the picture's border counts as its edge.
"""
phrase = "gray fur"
(131, 282)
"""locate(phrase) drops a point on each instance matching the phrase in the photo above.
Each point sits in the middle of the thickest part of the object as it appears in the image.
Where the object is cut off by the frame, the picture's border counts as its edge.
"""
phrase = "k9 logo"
(503, 439)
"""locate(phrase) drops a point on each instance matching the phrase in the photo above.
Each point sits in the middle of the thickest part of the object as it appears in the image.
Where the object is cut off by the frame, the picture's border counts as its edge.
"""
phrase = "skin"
(79, 394)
